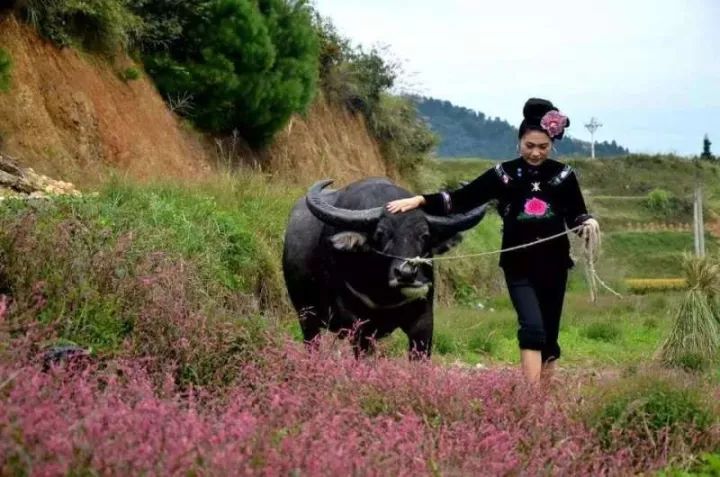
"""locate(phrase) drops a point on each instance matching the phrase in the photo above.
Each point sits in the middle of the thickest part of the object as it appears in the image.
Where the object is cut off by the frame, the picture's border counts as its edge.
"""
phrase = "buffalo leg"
(420, 335)
(363, 340)
(310, 324)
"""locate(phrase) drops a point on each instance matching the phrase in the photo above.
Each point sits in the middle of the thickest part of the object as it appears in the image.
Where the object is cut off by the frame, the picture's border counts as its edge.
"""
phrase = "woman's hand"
(404, 205)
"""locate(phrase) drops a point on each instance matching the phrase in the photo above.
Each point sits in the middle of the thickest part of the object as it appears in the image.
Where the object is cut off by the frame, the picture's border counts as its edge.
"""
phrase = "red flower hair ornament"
(554, 123)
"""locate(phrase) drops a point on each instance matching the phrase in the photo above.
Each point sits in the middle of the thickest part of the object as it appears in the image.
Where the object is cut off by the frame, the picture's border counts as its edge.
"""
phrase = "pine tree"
(247, 64)
(706, 154)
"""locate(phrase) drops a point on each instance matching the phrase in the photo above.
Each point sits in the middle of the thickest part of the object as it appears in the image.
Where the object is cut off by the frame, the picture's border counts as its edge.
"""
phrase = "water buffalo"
(345, 268)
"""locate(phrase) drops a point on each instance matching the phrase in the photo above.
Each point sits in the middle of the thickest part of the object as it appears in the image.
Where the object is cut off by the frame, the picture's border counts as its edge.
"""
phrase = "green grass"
(606, 331)
(707, 466)
(638, 175)
(651, 255)
(75, 264)
(137, 269)
(456, 170)
(615, 332)
(631, 176)
(615, 213)
(612, 332)
(463, 280)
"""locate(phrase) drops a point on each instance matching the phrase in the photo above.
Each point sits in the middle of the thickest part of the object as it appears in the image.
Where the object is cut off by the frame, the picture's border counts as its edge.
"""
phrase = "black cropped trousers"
(538, 297)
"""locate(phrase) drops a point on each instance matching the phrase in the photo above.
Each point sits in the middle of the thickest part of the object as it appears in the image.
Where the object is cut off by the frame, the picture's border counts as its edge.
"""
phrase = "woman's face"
(535, 147)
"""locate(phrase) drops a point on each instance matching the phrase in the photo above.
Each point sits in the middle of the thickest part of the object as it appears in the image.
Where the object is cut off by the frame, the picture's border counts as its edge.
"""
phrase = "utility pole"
(593, 126)
(698, 223)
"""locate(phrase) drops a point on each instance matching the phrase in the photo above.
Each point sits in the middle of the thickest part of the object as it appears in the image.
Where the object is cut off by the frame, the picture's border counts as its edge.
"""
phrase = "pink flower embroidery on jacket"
(536, 207)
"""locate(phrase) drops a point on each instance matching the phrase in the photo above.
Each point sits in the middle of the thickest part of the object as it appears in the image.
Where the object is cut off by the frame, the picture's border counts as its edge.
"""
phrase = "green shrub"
(692, 362)
(483, 342)
(602, 331)
(5, 69)
(666, 205)
(131, 74)
(168, 21)
(104, 26)
(654, 410)
(709, 466)
(362, 80)
(405, 138)
(350, 75)
(249, 65)
(658, 200)
(444, 343)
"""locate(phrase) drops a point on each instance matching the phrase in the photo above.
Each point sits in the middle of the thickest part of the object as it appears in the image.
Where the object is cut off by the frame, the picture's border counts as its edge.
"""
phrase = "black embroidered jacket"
(533, 201)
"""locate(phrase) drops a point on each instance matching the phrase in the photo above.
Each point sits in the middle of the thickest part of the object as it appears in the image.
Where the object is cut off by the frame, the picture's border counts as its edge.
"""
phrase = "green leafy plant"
(104, 26)
(660, 411)
(444, 343)
(131, 74)
(483, 342)
(602, 331)
(665, 204)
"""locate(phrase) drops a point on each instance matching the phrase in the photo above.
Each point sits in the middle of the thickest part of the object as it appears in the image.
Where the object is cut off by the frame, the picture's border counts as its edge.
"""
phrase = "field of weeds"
(325, 413)
(191, 363)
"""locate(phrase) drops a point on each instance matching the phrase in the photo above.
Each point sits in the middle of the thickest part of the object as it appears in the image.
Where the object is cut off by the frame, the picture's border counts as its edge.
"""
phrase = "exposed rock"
(17, 181)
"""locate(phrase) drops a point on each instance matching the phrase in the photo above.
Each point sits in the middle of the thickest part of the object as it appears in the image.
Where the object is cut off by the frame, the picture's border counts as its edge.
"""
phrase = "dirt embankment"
(331, 142)
(70, 115)
(67, 112)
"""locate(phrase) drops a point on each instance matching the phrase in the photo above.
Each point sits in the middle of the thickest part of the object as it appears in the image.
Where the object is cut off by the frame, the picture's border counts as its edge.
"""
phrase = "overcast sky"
(649, 70)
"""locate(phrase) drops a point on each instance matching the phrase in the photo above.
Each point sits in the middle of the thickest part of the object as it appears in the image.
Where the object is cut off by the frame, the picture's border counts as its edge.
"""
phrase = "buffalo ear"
(443, 246)
(349, 241)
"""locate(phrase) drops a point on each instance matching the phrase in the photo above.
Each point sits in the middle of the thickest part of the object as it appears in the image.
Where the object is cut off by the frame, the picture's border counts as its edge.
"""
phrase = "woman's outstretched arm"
(474, 194)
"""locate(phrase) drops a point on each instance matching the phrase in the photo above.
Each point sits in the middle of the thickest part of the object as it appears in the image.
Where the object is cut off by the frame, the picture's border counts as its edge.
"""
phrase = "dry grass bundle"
(702, 273)
(647, 285)
(694, 340)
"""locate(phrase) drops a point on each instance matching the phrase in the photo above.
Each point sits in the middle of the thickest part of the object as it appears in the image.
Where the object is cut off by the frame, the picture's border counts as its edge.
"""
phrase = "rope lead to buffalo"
(591, 252)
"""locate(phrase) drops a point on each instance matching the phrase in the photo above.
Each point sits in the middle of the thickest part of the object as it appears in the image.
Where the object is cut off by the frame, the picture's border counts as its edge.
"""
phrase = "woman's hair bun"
(535, 108)
(536, 118)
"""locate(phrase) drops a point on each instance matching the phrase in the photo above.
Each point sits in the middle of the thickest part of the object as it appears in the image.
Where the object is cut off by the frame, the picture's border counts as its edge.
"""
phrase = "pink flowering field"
(321, 413)
(189, 369)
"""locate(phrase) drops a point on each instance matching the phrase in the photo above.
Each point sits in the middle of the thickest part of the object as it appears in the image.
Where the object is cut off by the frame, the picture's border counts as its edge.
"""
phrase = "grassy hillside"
(177, 292)
(136, 268)
(179, 273)
(216, 245)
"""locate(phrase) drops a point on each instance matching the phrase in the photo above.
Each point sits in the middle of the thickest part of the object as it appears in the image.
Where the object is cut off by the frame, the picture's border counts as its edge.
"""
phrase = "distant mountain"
(467, 133)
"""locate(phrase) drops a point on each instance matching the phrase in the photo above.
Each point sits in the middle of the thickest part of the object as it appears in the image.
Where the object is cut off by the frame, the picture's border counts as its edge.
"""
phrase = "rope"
(591, 251)
(592, 240)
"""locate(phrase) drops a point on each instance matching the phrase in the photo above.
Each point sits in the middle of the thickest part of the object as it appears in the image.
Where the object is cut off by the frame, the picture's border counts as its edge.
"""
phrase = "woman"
(537, 198)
